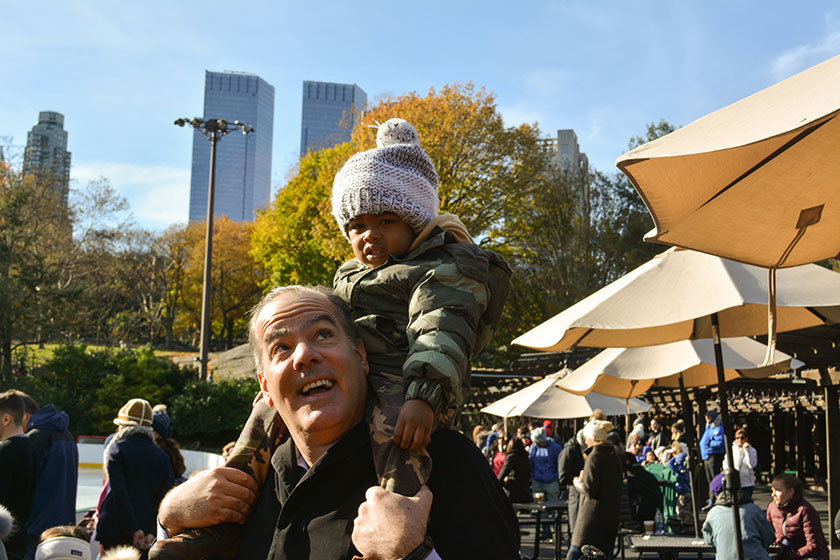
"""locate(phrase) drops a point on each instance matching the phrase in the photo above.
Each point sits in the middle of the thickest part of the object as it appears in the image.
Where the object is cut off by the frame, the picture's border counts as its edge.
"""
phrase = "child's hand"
(414, 425)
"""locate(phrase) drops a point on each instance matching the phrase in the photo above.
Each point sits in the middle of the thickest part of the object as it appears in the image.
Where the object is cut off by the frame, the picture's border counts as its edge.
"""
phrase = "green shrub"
(214, 411)
(91, 386)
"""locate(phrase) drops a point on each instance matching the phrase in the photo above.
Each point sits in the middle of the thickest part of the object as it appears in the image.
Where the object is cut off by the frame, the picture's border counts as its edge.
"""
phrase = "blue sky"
(122, 71)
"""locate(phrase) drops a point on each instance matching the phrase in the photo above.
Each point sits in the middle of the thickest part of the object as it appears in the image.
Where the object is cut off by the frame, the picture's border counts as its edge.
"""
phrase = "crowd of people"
(653, 475)
(39, 464)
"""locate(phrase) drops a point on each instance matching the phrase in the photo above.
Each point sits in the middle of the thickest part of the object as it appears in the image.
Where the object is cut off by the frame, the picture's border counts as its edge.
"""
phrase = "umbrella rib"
(795, 140)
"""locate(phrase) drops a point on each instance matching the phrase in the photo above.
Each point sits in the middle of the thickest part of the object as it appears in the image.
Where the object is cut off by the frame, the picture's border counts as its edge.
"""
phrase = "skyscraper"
(329, 113)
(243, 162)
(46, 150)
(565, 151)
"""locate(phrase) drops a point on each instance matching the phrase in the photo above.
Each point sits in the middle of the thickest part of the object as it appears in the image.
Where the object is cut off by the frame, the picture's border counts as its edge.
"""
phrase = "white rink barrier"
(90, 456)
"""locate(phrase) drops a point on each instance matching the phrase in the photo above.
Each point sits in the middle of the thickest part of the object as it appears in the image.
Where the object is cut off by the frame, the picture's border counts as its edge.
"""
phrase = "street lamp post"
(214, 129)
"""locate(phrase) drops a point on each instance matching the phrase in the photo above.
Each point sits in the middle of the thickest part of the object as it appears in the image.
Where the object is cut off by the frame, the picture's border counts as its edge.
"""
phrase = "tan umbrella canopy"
(757, 181)
(630, 372)
(543, 399)
(672, 297)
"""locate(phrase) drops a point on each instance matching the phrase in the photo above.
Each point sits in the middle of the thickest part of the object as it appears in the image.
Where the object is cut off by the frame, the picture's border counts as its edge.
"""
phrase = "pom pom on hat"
(7, 523)
(397, 176)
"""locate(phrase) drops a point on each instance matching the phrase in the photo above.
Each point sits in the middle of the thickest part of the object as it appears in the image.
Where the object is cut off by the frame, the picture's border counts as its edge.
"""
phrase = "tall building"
(46, 150)
(243, 162)
(566, 152)
(330, 111)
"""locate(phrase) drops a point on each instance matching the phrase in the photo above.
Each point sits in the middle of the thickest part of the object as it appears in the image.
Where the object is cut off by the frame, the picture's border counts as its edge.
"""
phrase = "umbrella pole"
(724, 418)
(690, 460)
(627, 415)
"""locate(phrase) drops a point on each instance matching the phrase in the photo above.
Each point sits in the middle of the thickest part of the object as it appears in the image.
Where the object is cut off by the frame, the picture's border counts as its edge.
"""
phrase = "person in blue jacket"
(544, 473)
(58, 474)
(712, 450)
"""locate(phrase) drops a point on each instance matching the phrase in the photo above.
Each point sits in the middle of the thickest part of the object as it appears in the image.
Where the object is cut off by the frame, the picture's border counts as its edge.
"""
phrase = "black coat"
(517, 469)
(138, 477)
(600, 499)
(311, 517)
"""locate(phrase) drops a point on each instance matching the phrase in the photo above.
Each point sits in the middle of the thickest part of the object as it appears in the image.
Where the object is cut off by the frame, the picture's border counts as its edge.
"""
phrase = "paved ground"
(761, 497)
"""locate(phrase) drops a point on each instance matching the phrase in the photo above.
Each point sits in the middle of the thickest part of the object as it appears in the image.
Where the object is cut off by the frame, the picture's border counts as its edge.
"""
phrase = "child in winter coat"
(425, 300)
(679, 464)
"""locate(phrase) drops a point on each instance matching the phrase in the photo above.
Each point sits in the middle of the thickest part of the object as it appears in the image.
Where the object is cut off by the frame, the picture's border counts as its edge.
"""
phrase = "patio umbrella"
(682, 294)
(673, 297)
(630, 372)
(756, 181)
(543, 399)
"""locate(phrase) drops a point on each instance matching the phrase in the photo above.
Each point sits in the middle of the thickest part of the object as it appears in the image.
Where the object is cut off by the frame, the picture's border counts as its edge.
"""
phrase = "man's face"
(654, 425)
(781, 496)
(313, 375)
(374, 236)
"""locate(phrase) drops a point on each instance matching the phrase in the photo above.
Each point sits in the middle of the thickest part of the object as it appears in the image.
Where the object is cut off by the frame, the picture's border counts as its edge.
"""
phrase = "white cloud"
(515, 115)
(805, 56)
(546, 82)
(158, 195)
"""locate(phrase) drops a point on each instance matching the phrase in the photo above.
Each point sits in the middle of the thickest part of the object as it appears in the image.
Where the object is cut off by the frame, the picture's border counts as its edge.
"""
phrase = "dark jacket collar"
(284, 461)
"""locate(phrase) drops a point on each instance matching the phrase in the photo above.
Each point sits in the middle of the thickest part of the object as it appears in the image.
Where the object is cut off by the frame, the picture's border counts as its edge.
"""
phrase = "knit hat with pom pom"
(397, 176)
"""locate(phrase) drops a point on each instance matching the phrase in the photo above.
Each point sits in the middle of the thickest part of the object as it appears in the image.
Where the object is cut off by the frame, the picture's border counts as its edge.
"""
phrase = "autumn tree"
(235, 279)
(484, 169)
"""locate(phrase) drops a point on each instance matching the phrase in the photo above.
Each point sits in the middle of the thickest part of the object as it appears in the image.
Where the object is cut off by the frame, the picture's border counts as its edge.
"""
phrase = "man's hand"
(210, 497)
(414, 425)
(390, 525)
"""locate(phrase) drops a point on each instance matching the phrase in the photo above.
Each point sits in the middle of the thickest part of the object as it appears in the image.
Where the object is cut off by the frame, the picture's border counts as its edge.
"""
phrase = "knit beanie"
(596, 430)
(161, 422)
(397, 176)
(538, 436)
(136, 412)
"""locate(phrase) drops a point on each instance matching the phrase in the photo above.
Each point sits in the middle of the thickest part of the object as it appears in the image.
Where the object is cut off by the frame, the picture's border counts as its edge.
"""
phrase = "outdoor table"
(538, 509)
(667, 546)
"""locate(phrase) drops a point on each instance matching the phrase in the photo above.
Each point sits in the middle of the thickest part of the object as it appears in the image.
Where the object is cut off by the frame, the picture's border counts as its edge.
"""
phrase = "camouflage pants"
(397, 469)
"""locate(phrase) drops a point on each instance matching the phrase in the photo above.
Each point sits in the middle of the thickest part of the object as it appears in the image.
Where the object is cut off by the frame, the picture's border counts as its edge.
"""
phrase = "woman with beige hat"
(139, 475)
(599, 486)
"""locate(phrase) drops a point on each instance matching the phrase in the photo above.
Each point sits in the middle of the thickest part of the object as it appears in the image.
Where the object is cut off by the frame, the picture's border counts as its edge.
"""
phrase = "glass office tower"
(243, 162)
(46, 150)
(329, 113)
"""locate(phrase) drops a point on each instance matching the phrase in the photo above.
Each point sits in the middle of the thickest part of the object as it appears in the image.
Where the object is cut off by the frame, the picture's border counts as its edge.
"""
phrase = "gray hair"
(342, 311)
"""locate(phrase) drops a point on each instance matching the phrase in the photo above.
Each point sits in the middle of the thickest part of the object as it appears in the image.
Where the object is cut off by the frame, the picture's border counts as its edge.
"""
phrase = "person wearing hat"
(544, 455)
(718, 529)
(160, 425)
(138, 475)
(599, 485)
(712, 450)
(425, 298)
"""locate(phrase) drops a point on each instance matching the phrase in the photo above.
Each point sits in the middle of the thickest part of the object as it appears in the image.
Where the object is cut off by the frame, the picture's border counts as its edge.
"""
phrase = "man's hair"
(65, 531)
(342, 311)
(29, 404)
(12, 403)
(786, 482)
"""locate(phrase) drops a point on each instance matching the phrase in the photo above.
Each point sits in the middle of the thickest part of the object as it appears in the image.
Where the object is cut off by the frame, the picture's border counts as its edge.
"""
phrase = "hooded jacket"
(712, 441)
(424, 315)
(58, 470)
(679, 464)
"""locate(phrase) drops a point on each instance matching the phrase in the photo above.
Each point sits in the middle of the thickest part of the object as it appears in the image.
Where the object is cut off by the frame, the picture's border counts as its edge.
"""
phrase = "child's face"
(374, 236)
